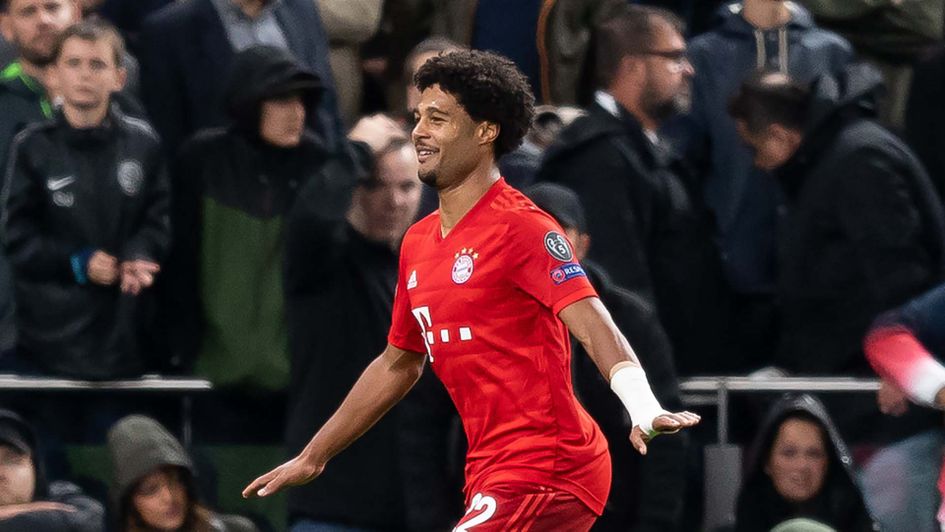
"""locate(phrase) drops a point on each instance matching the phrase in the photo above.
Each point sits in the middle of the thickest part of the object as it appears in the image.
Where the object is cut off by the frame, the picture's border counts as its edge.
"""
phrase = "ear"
(5, 28)
(76, 11)
(487, 132)
(121, 77)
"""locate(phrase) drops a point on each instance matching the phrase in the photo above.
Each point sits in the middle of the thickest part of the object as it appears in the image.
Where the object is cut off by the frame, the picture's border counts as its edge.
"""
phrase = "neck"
(84, 118)
(457, 201)
(634, 106)
(33, 70)
(251, 8)
(358, 219)
(766, 14)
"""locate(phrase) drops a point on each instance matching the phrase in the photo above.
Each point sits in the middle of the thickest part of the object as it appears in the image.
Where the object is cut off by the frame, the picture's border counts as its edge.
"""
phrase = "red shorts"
(520, 508)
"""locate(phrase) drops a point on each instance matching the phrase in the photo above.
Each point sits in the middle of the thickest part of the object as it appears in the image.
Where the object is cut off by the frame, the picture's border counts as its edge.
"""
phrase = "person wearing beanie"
(27, 501)
(153, 486)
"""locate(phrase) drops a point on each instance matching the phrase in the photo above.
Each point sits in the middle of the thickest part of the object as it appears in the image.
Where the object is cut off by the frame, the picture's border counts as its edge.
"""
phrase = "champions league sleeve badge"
(558, 247)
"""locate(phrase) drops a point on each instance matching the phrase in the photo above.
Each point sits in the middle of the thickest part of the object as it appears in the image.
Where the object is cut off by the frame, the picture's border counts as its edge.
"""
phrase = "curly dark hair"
(489, 87)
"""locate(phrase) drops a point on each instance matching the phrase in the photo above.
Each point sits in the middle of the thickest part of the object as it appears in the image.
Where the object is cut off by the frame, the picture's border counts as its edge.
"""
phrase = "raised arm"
(384, 383)
(590, 322)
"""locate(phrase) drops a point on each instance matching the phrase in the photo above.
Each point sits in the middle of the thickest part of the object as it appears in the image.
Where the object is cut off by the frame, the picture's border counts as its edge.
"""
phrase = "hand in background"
(102, 268)
(136, 275)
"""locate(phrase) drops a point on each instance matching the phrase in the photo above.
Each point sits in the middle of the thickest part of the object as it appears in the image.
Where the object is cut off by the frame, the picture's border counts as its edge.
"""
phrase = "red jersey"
(483, 303)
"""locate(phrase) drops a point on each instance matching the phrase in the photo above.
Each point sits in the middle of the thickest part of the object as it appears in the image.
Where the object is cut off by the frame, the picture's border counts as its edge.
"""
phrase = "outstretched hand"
(667, 423)
(295, 472)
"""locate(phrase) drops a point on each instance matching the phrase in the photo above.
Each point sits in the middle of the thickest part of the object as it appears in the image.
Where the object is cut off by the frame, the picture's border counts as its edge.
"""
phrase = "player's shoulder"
(422, 228)
(521, 215)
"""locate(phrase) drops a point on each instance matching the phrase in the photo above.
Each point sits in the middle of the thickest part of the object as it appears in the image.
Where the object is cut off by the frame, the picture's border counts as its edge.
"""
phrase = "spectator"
(751, 36)
(799, 466)
(906, 347)
(31, 26)
(233, 188)
(550, 42)
(27, 501)
(863, 232)
(419, 55)
(645, 493)
(349, 23)
(647, 230)
(925, 116)
(85, 230)
(153, 484)
(341, 268)
(890, 35)
(184, 80)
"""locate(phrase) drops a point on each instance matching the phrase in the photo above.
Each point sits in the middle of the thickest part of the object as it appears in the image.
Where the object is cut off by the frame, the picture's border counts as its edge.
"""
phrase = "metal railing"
(183, 387)
(716, 390)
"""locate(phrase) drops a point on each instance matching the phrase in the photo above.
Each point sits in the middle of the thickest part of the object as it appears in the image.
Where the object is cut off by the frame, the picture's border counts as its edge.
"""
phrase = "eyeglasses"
(678, 59)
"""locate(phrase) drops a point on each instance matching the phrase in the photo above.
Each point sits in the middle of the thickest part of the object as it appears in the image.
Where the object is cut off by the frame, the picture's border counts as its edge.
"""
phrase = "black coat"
(863, 230)
(339, 290)
(925, 116)
(647, 233)
(645, 493)
(185, 58)
(839, 503)
(72, 192)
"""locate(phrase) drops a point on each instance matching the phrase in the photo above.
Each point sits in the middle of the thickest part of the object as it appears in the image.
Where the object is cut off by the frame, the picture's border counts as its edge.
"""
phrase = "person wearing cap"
(27, 501)
(153, 487)
(85, 223)
(645, 492)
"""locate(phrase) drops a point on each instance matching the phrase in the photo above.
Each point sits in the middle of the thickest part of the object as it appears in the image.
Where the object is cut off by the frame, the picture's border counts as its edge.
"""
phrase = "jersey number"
(485, 504)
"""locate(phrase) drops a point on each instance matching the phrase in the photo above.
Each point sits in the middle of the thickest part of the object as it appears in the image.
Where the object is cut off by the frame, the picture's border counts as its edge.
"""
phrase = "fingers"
(257, 488)
(638, 440)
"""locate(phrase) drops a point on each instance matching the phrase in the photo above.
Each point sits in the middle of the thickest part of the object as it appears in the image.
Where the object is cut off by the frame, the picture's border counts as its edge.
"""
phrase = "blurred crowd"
(218, 188)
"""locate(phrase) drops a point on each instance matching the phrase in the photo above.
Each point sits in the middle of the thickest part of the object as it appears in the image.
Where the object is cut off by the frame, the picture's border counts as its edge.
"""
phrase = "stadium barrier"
(723, 460)
(183, 387)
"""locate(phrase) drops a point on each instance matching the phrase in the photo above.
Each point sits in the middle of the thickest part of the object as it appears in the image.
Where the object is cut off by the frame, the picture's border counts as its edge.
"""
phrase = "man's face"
(33, 26)
(17, 476)
(448, 147)
(282, 121)
(772, 147)
(666, 90)
(86, 74)
(389, 203)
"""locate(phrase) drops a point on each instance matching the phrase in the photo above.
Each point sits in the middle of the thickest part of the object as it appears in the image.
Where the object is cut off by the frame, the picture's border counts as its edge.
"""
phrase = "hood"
(263, 72)
(137, 445)
(15, 427)
(840, 495)
(729, 20)
(787, 406)
(854, 91)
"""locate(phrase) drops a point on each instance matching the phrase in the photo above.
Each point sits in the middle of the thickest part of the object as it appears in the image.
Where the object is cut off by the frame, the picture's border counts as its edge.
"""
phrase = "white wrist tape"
(630, 384)
(926, 379)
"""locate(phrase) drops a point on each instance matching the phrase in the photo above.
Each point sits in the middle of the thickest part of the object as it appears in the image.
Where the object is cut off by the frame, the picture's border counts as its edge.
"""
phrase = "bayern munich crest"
(464, 264)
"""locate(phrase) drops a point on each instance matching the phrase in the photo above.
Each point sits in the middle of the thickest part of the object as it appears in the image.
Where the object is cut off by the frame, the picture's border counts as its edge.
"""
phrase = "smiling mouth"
(425, 153)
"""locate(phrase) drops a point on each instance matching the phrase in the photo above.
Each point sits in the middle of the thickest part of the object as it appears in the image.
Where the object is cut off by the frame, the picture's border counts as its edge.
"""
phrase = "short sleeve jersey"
(482, 302)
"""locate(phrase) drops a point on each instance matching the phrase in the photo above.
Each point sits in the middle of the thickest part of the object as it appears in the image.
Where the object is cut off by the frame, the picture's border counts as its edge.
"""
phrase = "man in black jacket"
(648, 232)
(341, 268)
(27, 501)
(646, 493)
(85, 218)
(863, 231)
